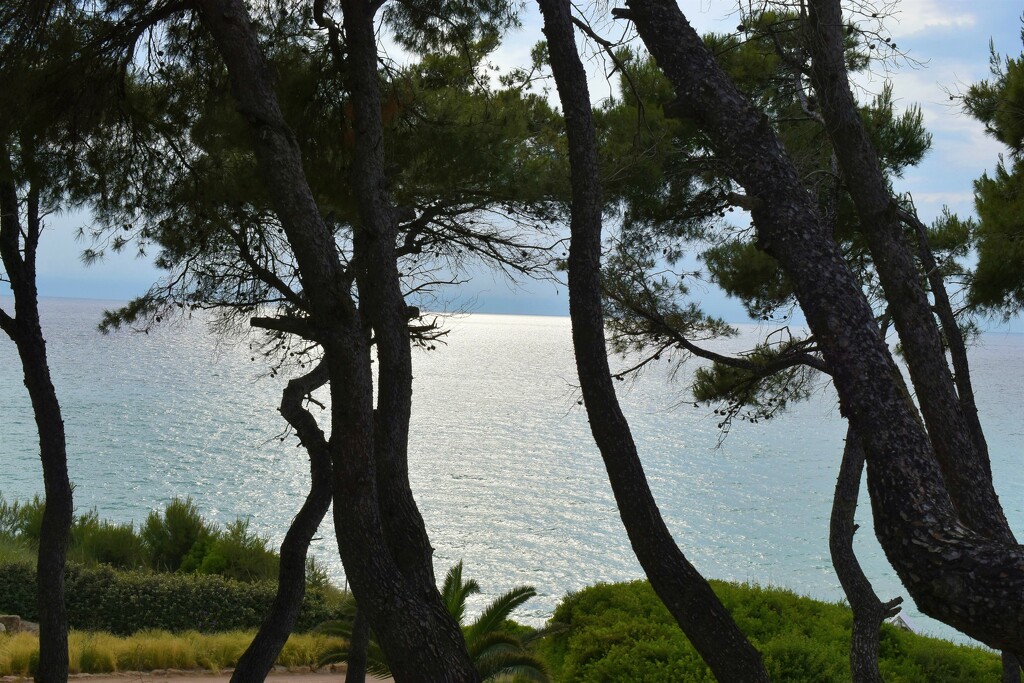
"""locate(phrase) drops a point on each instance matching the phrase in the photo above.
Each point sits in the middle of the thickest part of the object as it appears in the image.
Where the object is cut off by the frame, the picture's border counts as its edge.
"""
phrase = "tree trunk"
(413, 627)
(954, 574)
(965, 468)
(25, 330)
(951, 332)
(1011, 668)
(680, 586)
(961, 372)
(868, 611)
(257, 660)
(381, 293)
(357, 646)
(382, 301)
(948, 407)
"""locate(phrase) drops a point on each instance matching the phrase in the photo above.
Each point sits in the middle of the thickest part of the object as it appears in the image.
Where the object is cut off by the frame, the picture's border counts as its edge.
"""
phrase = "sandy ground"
(205, 677)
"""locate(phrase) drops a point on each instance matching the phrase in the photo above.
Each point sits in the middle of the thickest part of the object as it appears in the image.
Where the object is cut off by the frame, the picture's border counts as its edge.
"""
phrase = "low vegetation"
(622, 632)
(182, 593)
(97, 652)
(124, 602)
(498, 646)
(176, 540)
(177, 572)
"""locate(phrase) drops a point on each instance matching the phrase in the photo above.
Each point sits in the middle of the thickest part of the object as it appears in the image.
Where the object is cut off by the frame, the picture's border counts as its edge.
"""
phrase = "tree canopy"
(997, 285)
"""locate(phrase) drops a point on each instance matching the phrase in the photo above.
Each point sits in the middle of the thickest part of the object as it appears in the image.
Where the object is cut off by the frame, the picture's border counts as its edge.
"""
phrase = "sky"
(947, 47)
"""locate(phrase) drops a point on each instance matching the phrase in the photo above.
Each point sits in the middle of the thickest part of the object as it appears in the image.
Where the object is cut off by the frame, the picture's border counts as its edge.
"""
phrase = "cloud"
(961, 150)
(916, 16)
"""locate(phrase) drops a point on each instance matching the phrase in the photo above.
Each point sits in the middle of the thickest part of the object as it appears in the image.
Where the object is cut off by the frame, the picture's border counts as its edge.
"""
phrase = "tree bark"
(412, 627)
(382, 301)
(965, 467)
(680, 586)
(24, 329)
(956, 575)
(951, 332)
(961, 371)
(1011, 668)
(868, 611)
(355, 671)
(947, 404)
(257, 660)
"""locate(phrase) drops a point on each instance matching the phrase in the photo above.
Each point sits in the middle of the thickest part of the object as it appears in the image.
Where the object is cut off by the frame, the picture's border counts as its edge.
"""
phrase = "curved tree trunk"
(19, 258)
(868, 611)
(417, 635)
(961, 373)
(946, 404)
(689, 598)
(257, 660)
(965, 465)
(955, 574)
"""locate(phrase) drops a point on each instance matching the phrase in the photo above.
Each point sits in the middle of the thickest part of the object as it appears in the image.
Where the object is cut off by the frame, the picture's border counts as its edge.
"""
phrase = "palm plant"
(498, 655)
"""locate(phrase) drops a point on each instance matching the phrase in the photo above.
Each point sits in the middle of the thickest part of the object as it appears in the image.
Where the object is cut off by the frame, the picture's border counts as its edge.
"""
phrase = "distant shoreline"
(995, 329)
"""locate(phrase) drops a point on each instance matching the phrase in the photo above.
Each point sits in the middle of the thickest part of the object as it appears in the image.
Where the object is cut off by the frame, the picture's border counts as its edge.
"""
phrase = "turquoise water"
(502, 462)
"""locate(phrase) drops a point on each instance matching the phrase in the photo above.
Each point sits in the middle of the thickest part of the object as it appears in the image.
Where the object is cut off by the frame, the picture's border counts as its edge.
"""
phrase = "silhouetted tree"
(942, 529)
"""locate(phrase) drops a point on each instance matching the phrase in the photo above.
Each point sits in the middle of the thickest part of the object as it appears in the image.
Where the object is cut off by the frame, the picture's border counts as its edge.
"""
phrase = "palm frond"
(498, 611)
(499, 656)
(487, 644)
(375, 662)
(512, 666)
(376, 665)
(454, 592)
(341, 628)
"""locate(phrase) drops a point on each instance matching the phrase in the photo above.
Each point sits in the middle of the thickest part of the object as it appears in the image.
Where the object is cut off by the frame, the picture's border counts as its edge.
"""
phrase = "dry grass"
(18, 653)
(90, 652)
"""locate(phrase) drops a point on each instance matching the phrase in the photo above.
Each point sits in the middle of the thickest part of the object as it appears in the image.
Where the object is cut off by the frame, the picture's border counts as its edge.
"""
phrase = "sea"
(502, 462)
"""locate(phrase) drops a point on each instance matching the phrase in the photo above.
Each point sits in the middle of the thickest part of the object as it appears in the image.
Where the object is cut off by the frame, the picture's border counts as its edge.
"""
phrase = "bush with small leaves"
(239, 554)
(623, 632)
(122, 602)
(24, 520)
(96, 541)
(170, 537)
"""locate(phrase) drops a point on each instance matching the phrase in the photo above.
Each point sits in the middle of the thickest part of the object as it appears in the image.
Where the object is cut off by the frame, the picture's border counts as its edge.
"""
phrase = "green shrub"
(181, 540)
(18, 589)
(193, 560)
(316, 574)
(122, 602)
(906, 657)
(240, 554)
(170, 537)
(177, 540)
(96, 541)
(24, 520)
(622, 632)
(16, 549)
